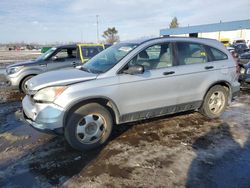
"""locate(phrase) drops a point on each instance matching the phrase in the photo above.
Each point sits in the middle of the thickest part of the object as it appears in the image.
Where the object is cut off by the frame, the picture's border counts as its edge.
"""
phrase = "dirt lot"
(9, 57)
(184, 150)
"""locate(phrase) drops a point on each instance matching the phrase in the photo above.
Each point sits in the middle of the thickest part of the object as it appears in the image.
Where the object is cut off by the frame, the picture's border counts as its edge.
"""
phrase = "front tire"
(88, 127)
(22, 85)
(215, 102)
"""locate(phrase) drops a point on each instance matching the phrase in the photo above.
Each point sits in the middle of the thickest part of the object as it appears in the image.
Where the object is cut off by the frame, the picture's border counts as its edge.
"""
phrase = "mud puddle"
(174, 151)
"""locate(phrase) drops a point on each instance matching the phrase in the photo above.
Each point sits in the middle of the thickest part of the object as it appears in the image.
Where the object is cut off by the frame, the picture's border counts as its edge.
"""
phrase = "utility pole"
(97, 28)
(81, 35)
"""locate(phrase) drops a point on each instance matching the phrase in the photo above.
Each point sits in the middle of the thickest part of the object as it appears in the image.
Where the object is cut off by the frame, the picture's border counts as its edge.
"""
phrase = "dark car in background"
(244, 77)
(245, 57)
(240, 48)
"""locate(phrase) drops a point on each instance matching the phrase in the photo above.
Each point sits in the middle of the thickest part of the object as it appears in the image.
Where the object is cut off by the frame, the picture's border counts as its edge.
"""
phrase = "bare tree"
(111, 35)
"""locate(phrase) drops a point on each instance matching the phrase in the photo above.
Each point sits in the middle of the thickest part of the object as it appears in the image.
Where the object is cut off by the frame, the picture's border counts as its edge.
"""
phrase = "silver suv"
(132, 81)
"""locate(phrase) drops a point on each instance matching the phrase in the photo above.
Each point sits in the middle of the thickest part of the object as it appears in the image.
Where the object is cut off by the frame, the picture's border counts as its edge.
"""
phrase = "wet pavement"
(184, 150)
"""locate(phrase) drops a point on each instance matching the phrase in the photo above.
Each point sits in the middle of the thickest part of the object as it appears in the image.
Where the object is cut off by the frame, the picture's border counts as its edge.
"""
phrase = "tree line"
(111, 34)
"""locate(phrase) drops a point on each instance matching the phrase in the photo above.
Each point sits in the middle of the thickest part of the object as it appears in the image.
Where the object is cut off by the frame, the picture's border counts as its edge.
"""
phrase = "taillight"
(235, 57)
(237, 66)
(237, 69)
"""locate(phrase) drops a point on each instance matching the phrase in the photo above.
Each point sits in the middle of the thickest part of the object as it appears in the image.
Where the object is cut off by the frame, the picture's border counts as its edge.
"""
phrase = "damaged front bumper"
(45, 117)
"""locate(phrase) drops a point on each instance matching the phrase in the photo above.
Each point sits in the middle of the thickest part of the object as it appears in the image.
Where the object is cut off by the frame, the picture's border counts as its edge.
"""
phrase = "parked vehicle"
(107, 45)
(237, 41)
(230, 49)
(245, 57)
(240, 48)
(132, 81)
(225, 41)
(45, 49)
(248, 43)
(67, 56)
(90, 50)
(244, 77)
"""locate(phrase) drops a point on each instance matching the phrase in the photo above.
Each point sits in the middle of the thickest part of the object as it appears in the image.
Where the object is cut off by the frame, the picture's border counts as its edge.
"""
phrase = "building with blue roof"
(224, 30)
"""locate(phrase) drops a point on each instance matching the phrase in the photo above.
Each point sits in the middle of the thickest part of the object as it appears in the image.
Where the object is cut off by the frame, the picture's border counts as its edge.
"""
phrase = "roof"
(222, 26)
(67, 46)
(80, 44)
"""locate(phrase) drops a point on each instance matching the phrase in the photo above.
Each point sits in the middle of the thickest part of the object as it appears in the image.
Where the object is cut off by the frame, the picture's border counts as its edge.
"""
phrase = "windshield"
(108, 58)
(46, 54)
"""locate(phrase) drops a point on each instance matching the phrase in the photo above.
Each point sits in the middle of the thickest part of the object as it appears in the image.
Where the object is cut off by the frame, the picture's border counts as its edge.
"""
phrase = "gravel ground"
(183, 150)
(9, 57)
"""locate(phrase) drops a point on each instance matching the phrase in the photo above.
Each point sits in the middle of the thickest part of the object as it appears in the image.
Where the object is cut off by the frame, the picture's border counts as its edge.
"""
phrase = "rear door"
(63, 58)
(197, 72)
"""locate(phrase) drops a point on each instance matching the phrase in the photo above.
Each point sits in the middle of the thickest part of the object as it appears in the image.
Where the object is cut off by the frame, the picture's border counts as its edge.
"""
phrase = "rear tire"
(88, 127)
(22, 85)
(215, 102)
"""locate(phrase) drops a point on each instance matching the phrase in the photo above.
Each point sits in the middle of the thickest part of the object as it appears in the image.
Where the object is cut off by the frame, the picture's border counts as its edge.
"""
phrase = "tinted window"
(218, 55)
(191, 53)
(89, 52)
(154, 57)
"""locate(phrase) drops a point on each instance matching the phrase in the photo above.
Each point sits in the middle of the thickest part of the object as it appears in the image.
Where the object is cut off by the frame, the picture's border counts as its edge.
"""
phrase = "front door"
(63, 58)
(145, 95)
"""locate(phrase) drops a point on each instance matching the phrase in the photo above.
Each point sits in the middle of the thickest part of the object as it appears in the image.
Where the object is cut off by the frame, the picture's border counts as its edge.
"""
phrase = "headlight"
(12, 70)
(49, 94)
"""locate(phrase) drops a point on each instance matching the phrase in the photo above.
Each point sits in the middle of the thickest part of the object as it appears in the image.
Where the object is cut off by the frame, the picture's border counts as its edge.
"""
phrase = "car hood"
(23, 63)
(58, 78)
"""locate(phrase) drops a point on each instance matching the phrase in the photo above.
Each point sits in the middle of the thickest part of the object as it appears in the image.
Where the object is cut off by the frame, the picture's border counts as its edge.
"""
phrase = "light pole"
(97, 28)
(81, 35)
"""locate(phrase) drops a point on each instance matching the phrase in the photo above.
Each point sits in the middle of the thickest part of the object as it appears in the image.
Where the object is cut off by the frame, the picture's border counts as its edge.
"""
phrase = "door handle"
(209, 67)
(168, 73)
(42, 65)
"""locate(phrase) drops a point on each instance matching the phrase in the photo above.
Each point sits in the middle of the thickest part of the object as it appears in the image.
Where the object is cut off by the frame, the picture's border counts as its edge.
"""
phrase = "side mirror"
(54, 58)
(135, 69)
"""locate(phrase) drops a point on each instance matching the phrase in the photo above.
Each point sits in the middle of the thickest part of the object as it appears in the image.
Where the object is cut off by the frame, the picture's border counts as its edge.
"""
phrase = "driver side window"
(154, 57)
(65, 54)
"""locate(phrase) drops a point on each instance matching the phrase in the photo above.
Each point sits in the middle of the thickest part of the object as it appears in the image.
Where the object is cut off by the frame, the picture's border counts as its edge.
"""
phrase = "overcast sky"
(70, 20)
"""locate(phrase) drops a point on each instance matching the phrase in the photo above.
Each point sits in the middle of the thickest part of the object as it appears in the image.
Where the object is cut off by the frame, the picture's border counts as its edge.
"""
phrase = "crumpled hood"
(59, 78)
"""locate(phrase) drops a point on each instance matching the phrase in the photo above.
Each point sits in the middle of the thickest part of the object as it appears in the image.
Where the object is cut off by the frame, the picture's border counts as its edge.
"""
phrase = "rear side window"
(191, 53)
(89, 52)
(217, 54)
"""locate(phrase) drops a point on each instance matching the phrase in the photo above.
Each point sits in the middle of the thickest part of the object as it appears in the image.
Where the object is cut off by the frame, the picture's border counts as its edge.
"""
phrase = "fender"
(99, 99)
(223, 83)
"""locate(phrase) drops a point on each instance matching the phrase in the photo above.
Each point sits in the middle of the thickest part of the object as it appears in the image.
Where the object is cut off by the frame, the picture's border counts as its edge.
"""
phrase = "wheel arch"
(21, 81)
(104, 101)
(223, 83)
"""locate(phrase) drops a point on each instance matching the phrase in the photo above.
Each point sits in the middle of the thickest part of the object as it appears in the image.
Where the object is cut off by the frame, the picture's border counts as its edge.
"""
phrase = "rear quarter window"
(191, 53)
(217, 55)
